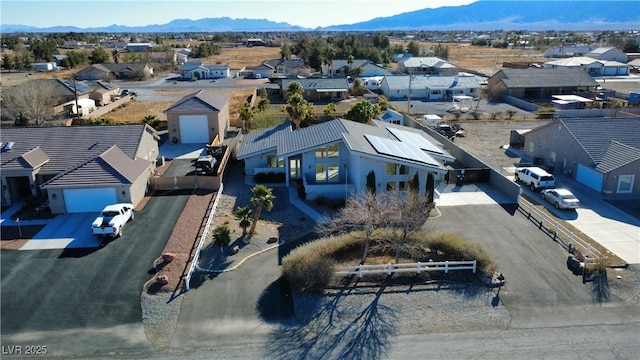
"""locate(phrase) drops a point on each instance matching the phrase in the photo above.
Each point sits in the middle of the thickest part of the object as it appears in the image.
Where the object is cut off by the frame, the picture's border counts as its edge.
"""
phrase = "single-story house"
(369, 69)
(197, 70)
(608, 54)
(139, 47)
(333, 159)
(427, 66)
(136, 71)
(283, 68)
(539, 84)
(104, 92)
(251, 42)
(77, 169)
(58, 58)
(319, 89)
(568, 51)
(591, 66)
(601, 153)
(198, 118)
(392, 116)
(46, 66)
(429, 87)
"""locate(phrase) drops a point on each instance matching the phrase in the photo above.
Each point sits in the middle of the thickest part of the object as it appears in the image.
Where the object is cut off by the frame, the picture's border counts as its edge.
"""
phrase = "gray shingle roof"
(66, 147)
(596, 134)
(617, 155)
(546, 78)
(201, 101)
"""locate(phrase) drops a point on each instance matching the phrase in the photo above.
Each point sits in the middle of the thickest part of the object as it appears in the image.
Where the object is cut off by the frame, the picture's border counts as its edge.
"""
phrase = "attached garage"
(194, 129)
(589, 177)
(88, 200)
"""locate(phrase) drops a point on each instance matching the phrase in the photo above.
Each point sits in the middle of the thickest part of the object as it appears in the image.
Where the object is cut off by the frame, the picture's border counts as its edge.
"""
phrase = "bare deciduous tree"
(393, 215)
(34, 100)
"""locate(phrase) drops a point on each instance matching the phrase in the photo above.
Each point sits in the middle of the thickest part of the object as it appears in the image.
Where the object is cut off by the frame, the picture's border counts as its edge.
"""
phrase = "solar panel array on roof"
(79, 86)
(400, 150)
(415, 140)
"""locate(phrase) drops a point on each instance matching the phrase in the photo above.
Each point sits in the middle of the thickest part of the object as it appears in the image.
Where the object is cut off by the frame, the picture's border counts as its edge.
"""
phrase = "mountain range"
(481, 15)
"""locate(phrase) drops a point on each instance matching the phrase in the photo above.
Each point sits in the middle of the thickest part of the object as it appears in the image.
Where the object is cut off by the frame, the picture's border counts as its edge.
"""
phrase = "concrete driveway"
(78, 300)
(66, 231)
(610, 226)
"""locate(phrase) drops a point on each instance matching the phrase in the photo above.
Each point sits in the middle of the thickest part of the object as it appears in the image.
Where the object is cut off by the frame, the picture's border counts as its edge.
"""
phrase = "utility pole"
(409, 95)
(75, 92)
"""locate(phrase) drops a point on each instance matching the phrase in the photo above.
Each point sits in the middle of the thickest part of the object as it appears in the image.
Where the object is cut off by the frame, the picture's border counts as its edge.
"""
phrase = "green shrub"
(302, 192)
(270, 177)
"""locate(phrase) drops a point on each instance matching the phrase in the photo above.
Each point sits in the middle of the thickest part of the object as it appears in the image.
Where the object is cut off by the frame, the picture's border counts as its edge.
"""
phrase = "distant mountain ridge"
(480, 15)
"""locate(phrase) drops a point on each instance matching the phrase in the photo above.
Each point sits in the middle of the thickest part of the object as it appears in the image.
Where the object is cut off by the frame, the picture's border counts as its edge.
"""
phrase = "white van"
(535, 177)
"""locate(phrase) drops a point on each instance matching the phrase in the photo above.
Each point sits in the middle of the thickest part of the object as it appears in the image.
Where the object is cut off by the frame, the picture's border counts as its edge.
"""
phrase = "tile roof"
(617, 155)
(66, 147)
(595, 135)
(200, 101)
(546, 78)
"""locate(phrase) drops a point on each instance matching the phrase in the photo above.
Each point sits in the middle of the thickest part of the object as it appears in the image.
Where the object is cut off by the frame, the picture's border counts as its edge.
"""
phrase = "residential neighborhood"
(277, 178)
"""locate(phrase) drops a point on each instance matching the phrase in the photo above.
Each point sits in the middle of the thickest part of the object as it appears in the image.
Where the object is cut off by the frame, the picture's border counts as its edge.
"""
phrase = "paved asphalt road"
(85, 299)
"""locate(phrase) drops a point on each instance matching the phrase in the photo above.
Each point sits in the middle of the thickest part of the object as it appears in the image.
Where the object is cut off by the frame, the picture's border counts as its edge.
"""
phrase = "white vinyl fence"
(418, 267)
(558, 232)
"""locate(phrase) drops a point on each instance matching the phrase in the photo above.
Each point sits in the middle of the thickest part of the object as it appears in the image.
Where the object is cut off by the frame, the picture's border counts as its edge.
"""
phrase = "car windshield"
(110, 213)
(547, 178)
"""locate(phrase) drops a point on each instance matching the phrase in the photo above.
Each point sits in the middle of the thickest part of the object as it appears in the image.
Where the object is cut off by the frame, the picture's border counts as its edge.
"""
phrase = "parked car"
(446, 130)
(112, 219)
(535, 177)
(561, 198)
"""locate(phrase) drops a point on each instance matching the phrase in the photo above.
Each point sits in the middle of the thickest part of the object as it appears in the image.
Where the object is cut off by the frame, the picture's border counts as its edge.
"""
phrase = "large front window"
(273, 161)
(327, 172)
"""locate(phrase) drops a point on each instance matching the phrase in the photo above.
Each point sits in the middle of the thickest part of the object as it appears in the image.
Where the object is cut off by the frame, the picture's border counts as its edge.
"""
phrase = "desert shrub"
(454, 247)
(311, 267)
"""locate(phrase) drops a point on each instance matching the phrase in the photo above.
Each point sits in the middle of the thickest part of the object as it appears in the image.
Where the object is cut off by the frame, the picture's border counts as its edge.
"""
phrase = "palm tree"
(246, 115)
(294, 87)
(244, 215)
(262, 199)
(298, 109)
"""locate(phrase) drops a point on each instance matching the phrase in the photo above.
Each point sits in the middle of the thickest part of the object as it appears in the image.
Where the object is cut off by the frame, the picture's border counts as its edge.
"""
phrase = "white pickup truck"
(112, 219)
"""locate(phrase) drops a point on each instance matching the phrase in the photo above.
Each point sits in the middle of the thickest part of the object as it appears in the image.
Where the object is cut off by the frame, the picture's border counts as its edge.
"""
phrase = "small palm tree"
(262, 199)
(244, 215)
(221, 236)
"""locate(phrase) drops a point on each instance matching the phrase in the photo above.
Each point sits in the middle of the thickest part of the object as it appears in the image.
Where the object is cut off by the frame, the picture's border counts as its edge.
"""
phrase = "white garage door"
(194, 129)
(88, 200)
(589, 177)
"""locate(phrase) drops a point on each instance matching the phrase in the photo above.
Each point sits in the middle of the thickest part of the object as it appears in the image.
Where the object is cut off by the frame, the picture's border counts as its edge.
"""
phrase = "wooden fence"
(418, 267)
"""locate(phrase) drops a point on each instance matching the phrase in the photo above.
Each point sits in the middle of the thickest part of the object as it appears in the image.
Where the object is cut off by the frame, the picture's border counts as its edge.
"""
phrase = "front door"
(295, 167)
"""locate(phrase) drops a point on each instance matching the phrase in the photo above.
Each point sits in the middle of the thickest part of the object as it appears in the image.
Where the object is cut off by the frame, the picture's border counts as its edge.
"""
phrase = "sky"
(306, 13)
